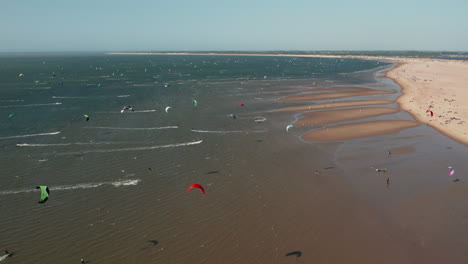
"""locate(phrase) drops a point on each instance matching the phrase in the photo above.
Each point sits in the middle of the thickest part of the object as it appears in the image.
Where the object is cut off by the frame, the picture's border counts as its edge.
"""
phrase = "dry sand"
(321, 118)
(438, 85)
(359, 130)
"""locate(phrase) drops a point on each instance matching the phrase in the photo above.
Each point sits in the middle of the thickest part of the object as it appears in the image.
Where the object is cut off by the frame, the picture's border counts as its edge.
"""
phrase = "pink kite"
(240, 104)
(195, 185)
(429, 111)
(451, 172)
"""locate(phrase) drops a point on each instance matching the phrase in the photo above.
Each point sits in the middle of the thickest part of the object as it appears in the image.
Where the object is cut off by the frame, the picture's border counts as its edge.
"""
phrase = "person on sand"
(317, 172)
(388, 181)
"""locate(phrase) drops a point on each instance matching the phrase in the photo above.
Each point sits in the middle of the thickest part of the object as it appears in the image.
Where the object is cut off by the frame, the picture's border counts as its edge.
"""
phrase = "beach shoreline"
(427, 84)
(431, 92)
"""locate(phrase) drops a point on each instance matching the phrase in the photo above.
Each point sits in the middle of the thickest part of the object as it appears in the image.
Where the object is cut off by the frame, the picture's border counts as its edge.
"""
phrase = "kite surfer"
(127, 107)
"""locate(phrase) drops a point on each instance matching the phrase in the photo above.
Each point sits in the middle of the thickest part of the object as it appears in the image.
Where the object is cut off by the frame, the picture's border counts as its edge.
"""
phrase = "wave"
(123, 95)
(28, 105)
(70, 144)
(135, 128)
(129, 112)
(129, 149)
(69, 97)
(11, 101)
(146, 111)
(32, 135)
(226, 132)
(118, 183)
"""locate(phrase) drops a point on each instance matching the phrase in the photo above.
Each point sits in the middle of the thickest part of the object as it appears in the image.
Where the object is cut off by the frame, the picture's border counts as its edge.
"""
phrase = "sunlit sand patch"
(333, 116)
(322, 96)
(359, 130)
(335, 105)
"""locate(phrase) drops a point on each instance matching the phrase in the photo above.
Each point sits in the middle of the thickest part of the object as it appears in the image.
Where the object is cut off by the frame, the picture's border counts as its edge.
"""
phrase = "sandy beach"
(439, 86)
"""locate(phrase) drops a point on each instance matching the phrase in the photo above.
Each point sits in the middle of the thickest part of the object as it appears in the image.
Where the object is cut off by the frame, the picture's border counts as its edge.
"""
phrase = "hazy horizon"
(255, 25)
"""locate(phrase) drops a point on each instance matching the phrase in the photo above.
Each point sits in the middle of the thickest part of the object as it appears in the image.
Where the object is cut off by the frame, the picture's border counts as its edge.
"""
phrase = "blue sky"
(183, 25)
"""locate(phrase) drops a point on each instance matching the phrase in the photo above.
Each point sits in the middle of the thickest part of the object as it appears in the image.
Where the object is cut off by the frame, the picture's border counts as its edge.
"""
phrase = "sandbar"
(323, 96)
(335, 105)
(320, 118)
(359, 130)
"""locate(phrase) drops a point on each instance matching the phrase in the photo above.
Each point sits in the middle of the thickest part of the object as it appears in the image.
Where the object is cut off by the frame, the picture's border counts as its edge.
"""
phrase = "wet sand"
(323, 96)
(321, 118)
(359, 130)
(335, 105)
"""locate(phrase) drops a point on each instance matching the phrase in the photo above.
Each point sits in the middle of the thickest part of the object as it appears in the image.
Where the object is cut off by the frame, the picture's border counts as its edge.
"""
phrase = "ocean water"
(118, 180)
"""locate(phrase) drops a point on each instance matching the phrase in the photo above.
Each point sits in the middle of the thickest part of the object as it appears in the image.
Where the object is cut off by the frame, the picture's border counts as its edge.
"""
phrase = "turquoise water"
(118, 180)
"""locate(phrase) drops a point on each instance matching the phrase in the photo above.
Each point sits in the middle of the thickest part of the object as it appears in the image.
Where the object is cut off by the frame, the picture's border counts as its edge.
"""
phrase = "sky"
(240, 25)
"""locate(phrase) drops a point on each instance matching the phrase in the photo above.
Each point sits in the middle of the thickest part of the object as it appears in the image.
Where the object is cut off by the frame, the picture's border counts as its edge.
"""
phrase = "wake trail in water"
(118, 183)
(226, 132)
(146, 111)
(129, 112)
(129, 149)
(73, 143)
(32, 135)
(136, 128)
(69, 97)
(30, 105)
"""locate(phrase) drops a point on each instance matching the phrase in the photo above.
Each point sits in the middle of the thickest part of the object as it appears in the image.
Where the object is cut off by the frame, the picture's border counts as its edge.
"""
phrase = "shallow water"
(119, 180)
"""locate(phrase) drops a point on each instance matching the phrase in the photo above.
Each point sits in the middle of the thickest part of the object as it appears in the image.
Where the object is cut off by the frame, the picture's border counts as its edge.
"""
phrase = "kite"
(233, 116)
(195, 103)
(451, 171)
(87, 117)
(288, 127)
(44, 193)
(11, 115)
(429, 111)
(240, 104)
(381, 170)
(167, 109)
(20, 75)
(99, 85)
(195, 185)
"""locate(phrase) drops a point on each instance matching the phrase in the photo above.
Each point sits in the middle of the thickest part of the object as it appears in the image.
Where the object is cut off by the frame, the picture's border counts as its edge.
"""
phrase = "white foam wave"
(126, 183)
(123, 95)
(130, 149)
(135, 128)
(146, 111)
(11, 101)
(90, 185)
(32, 135)
(69, 97)
(29, 105)
(226, 132)
(2, 258)
(70, 144)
